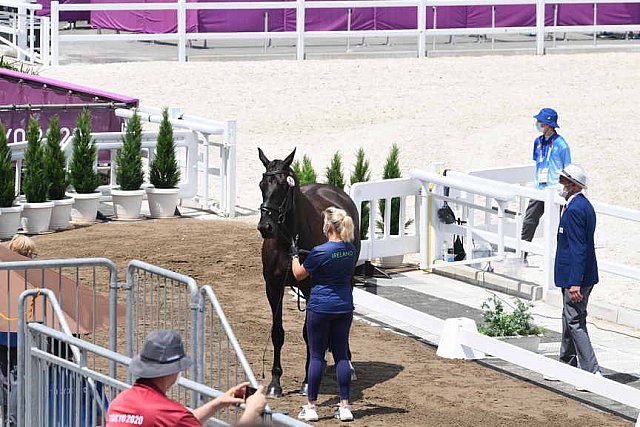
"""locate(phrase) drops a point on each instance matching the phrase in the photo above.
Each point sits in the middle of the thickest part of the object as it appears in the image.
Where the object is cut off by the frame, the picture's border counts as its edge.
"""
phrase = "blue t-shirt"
(556, 160)
(331, 267)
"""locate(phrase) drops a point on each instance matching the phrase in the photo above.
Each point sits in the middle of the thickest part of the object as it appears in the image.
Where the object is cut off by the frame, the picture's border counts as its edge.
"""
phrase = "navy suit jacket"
(576, 254)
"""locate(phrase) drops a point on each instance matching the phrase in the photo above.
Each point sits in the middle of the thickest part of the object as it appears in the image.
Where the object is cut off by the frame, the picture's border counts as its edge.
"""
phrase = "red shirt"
(145, 405)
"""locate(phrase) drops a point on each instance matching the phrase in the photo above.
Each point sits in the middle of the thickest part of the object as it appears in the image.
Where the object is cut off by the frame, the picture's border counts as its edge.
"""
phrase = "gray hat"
(162, 354)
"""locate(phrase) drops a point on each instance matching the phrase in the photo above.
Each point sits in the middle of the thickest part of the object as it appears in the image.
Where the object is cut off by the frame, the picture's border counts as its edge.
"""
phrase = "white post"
(425, 198)
(300, 16)
(540, 10)
(230, 201)
(32, 35)
(501, 207)
(422, 27)
(45, 33)
(55, 35)
(182, 31)
(22, 32)
(549, 239)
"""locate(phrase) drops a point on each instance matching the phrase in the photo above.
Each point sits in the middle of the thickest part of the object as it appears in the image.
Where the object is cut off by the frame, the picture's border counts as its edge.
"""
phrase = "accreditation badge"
(543, 176)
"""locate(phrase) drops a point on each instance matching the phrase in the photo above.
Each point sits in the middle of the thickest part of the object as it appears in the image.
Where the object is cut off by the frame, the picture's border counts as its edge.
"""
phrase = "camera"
(249, 391)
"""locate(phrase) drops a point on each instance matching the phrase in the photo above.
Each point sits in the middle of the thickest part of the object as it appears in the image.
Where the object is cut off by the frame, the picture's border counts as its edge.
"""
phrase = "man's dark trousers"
(576, 345)
(532, 219)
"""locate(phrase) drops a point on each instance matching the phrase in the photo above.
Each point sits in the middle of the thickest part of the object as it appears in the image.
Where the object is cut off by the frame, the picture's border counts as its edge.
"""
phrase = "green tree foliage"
(391, 170)
(304, 172)
(361, 173)
(499, 323)
(82, 175)
(129, 173)
(35, 183)
(334, 171)
(54, 162)
(164, 172)
(7, 175)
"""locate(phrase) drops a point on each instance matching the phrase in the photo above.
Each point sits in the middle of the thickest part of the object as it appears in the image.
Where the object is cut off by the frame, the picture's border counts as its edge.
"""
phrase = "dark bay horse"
(288, 212)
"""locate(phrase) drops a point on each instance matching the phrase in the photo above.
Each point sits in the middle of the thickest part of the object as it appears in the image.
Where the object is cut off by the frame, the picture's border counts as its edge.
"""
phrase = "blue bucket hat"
(548, 116)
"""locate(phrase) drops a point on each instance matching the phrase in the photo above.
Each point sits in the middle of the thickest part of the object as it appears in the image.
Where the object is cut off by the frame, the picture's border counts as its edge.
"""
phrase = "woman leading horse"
(290, 213)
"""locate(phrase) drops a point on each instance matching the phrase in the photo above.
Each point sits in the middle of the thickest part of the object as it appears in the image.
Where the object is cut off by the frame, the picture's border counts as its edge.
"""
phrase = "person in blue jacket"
(576, 269)
(330, 307)
(551, 154)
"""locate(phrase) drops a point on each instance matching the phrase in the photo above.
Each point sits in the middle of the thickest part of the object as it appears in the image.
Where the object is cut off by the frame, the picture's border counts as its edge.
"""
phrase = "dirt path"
(401, 382)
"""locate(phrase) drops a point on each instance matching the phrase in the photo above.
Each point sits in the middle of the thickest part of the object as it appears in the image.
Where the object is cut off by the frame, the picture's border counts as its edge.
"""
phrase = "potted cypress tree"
(82, 174)
(127, 200)
(334, 171)
(164, 174)
(9, 214)
(36, 211)
(54, 163)
(392, 171)
(361, 173)
(305, 172)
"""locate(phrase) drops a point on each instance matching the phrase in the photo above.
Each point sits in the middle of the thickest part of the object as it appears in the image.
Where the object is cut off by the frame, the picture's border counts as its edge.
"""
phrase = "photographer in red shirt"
(158, 368)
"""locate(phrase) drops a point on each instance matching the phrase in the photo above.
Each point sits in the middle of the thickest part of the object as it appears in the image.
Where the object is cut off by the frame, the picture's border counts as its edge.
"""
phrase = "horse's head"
(277, 186)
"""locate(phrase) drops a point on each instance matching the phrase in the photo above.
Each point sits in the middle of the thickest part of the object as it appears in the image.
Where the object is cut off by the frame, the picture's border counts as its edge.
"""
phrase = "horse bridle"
(285, 205)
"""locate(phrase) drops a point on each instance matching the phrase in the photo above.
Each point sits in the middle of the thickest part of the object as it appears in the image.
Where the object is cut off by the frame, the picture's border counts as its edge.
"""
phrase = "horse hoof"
(304, 389)
(274, 391)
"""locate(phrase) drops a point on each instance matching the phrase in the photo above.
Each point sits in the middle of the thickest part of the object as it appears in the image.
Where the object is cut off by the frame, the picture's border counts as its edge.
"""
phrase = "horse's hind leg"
(275, 295)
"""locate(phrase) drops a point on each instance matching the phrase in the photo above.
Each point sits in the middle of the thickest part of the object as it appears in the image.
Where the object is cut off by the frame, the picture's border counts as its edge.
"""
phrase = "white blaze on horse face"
(291, 181)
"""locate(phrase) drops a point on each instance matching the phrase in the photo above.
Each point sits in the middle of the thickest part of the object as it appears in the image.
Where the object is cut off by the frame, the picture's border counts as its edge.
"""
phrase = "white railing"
(181, 36)
(194, 140)
(208, 130)
(20, 28)
(458, 338)
(475, 193)
(383, 243)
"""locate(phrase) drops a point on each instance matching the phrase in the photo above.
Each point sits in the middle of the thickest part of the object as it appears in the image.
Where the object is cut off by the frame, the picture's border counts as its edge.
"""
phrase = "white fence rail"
(382, 244)
(195, 141)
(458, 338)
(18, 21)
(181, 36)
(492, 204)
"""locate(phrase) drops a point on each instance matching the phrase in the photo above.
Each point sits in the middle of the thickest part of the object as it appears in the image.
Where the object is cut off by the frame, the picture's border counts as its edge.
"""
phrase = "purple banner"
(21, 89)
(161, 21)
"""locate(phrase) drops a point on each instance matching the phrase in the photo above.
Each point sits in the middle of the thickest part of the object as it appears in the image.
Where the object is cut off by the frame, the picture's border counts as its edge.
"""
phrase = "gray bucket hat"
(162, 354)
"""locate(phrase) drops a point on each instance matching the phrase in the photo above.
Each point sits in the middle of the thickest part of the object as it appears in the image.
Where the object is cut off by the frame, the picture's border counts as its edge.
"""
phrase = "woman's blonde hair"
(341, 222)
(22, 245)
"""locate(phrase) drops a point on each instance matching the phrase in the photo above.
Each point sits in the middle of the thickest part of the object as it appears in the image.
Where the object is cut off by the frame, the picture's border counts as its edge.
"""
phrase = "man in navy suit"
(576, 269)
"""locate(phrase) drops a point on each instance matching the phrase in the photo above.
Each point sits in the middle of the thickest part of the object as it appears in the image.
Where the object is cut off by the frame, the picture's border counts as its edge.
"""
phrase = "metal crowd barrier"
(86, 290)
(161, 299)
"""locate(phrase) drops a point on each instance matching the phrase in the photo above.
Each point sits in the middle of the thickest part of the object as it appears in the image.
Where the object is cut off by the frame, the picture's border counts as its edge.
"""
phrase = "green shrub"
(164, 172)
(361, 173)
(82, 175)
(129, 173)
(7, 174)
(334, 171)
(499, 323)
(54, 162)
(35, 183)
(304, 172)
(392, 170)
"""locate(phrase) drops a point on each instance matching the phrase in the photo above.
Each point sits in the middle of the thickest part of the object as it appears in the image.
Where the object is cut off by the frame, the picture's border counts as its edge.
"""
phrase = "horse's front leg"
(275, 293)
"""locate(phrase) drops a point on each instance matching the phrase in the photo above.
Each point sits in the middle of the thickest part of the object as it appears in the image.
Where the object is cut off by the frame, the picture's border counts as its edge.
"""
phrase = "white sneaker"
(308, 413)
(343, 413)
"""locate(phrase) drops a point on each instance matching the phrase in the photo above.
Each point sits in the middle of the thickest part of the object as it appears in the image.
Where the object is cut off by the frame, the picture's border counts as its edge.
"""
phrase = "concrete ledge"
(497, 282)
